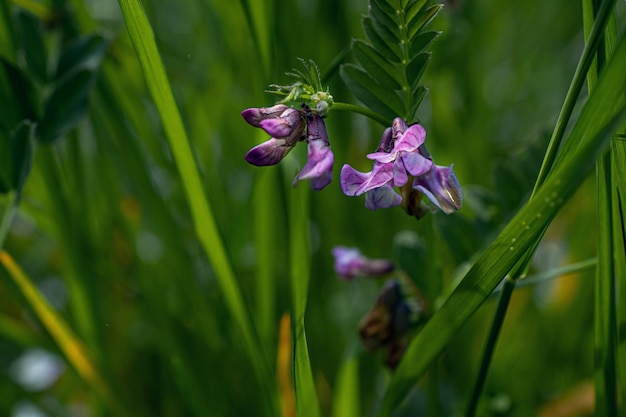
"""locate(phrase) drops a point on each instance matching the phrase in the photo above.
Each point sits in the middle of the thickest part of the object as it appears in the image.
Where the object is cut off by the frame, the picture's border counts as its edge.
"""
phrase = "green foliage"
(393, 59)
(157, 265)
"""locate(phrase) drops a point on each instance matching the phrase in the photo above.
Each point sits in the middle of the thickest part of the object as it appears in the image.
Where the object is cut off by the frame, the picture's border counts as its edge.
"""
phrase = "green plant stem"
(361, 110)
(7, 216)
(521, 267)
(490, 345)
(545, 276)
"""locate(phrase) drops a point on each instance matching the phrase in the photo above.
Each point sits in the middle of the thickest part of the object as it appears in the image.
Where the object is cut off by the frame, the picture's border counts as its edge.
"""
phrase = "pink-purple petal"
(382, 197)
(284, 125)
(399, 173)
(416, 164)
(380, 175)
(412, 138)
(382, 157)
(319, 165)
(441, 187)
(351, 179)
(254, 115)
(268, 153)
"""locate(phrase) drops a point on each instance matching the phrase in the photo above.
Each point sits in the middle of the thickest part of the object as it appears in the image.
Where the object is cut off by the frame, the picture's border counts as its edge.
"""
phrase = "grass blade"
(142, 39)
(346, 398)
(597, 123)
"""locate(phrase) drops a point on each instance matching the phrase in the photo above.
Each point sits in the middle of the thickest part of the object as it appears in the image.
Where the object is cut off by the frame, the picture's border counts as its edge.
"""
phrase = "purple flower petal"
(441, 187)
(399, 173)
(269, 152)
(416, 164)
(382, 157)
(354, 182)
(412, 138)
(255, 115)
(382, 197)
(285, 125)
(319, 164)
(351, 179)
(320, 158)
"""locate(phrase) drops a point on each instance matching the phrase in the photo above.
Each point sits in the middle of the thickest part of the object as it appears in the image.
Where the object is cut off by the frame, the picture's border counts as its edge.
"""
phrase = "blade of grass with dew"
(520, 268)
(143, 41)
(71, 346)
(299, 255)
(597, 123)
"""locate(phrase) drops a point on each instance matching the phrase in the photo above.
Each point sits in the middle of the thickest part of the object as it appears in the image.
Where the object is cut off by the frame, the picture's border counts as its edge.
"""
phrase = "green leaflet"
(392, 59)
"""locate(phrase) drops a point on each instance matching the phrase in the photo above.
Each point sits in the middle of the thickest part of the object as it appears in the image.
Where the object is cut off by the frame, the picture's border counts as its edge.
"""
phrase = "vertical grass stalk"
(299, 256)
(605, 307)
(142, 38)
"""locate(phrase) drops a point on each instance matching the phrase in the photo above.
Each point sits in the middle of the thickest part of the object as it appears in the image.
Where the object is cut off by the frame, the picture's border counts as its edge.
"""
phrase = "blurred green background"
(104, 229)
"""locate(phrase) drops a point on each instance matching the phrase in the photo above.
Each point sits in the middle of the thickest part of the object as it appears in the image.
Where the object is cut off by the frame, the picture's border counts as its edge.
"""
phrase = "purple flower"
(283, 123)
(320, 158)
(403, 161)
(350, 264)
(396, 158)
(286, 125)
(441, 187)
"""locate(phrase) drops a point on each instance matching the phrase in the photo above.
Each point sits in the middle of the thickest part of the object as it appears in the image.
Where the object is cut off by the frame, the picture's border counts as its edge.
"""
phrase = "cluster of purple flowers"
(401, 161)
(287, 127)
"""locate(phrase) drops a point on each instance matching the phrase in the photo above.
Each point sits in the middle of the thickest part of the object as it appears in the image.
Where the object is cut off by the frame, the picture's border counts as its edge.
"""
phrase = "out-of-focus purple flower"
(283, 123)
(403, 161)
(390, 320)
(396, 158)
(351, 264)
(320, 158)
(441, 187)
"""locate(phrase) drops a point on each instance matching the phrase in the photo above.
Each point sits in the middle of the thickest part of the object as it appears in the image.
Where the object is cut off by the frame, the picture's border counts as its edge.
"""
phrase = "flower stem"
(362, 110)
